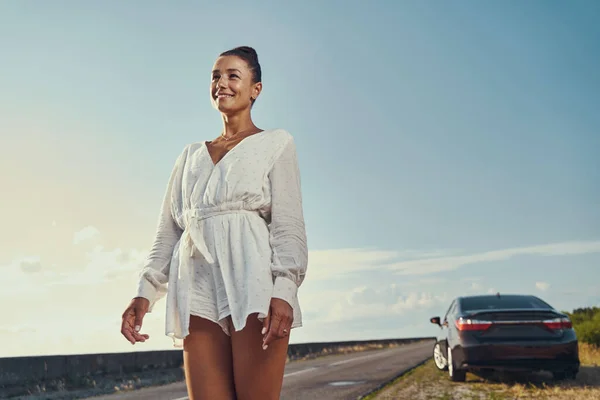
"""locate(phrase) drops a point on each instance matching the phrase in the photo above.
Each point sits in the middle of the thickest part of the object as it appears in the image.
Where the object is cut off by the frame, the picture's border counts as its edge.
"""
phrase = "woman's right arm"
(154, 275)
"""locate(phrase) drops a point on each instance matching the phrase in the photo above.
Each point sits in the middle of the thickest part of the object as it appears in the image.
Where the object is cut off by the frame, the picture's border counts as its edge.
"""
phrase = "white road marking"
(357, 359)
(301, 371)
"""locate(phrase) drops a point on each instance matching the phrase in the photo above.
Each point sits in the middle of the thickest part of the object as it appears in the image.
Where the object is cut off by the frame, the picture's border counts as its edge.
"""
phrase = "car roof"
(489, 296)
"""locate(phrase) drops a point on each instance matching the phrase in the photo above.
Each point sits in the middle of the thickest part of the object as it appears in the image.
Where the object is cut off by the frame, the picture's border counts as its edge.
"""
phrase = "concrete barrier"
(35, 370)
(18, 370)
(301, 350)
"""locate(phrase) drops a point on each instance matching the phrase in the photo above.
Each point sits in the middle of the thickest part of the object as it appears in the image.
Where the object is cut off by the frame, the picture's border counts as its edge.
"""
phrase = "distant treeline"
(586, 322)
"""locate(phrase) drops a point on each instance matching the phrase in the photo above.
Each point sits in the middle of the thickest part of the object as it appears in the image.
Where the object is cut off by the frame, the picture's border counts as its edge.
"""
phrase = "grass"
(589, 355)
(427, 382)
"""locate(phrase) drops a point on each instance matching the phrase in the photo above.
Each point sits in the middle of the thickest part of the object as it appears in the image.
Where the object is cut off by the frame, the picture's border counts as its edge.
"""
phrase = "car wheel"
(438, 357)
(456, 375)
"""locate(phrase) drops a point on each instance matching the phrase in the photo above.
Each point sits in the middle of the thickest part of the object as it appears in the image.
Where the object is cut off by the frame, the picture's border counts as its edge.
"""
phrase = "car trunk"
(517, 325)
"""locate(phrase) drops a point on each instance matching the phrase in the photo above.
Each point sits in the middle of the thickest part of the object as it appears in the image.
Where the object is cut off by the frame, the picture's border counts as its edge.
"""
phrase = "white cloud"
(30, 264)
(79, 311)
(429, 281)
(87, 233)
(104, 265)
(24, 276)
(367, 302)
(29, 275)
(336, 331)
(324, 264)
(432, 265)
(18, 330)
(543, 286)
(367, 295)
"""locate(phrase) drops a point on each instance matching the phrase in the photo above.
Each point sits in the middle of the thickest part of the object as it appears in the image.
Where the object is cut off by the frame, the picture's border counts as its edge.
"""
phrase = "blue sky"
(445, 148)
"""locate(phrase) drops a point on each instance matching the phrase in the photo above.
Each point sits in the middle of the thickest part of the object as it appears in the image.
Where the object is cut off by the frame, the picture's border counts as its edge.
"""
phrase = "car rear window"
(501, 302)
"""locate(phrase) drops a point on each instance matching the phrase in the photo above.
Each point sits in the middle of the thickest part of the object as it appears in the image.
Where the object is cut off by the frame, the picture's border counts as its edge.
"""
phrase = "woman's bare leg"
(208, 362)
(258, 373)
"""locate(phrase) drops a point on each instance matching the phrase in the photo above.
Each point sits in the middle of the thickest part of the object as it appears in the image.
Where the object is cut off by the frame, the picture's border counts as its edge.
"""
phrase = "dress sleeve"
(154, 275)
(287, 227)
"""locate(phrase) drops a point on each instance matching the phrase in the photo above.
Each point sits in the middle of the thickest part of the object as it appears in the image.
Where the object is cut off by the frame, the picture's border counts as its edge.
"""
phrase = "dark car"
(505, 332)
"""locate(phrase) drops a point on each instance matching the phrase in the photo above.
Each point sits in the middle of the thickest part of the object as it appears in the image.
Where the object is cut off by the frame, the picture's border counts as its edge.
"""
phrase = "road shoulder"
(427, 382)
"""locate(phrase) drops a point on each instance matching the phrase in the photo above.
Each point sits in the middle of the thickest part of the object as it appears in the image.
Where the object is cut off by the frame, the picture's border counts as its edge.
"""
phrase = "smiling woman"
(230, 251)
(235, 86)
(232, 63)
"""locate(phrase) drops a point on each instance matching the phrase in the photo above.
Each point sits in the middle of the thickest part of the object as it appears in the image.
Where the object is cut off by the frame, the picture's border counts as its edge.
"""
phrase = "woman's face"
(231, 87)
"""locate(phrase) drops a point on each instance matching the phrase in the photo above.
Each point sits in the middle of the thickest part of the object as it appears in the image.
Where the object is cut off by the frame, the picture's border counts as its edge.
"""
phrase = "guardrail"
(24, 371)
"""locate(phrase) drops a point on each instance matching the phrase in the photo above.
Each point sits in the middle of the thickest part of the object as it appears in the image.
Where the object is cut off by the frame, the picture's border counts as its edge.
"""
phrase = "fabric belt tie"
(194, 230)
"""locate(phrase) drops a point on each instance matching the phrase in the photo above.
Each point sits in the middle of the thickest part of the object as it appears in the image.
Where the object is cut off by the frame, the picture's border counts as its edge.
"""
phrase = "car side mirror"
(435, 320)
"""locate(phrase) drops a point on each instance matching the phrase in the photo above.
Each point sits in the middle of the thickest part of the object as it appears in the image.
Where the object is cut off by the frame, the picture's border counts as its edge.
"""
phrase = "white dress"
(230, 236)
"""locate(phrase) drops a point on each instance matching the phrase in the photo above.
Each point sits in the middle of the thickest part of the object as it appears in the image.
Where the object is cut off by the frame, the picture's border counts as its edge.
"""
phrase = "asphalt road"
(346, 376)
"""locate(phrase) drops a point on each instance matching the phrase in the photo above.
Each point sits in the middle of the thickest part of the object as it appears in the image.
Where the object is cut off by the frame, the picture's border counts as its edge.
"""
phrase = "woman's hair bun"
(249, 55)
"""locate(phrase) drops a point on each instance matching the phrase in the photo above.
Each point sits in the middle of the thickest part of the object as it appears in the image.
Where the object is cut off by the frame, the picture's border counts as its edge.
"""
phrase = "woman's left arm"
(287, 237)
(287, 228)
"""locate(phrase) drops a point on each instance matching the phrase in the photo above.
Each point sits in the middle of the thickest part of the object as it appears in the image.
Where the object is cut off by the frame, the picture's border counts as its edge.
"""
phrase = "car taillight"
(558, 323)
(472, 325)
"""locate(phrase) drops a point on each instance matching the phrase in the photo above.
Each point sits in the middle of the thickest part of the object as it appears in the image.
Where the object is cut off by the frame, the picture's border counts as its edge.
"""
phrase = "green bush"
(588, 332)
(586, 322)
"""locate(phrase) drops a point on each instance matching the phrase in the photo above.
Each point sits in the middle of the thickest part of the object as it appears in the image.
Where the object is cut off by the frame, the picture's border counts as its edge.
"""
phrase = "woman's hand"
(132, 320)
(278, 322)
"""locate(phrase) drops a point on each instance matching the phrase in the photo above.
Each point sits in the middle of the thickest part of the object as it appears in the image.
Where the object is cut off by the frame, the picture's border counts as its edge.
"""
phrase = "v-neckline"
(229, 151)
